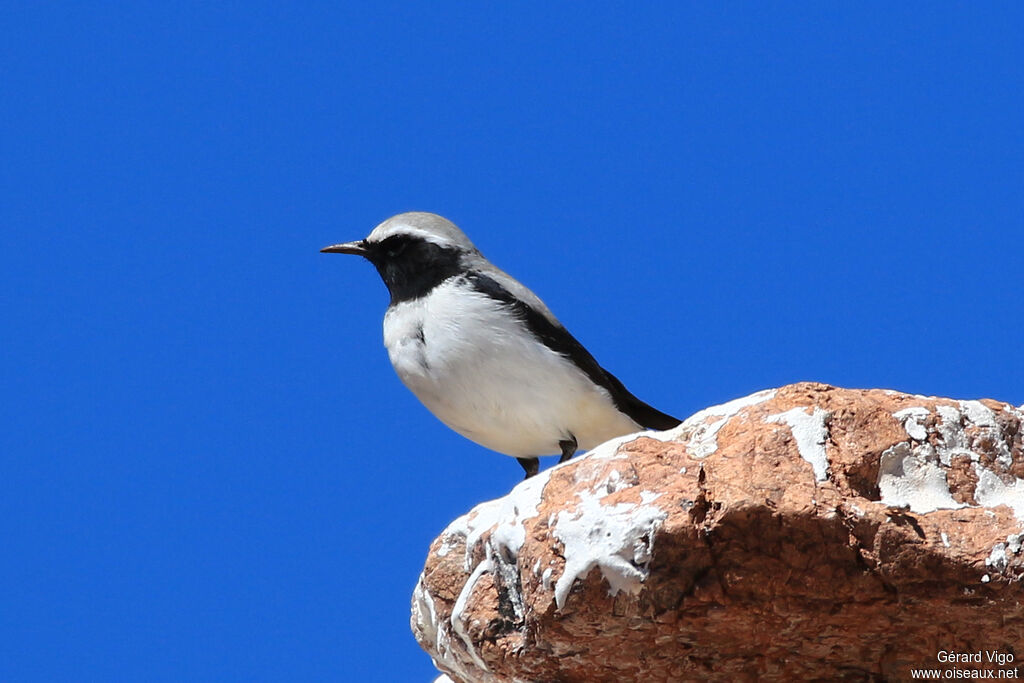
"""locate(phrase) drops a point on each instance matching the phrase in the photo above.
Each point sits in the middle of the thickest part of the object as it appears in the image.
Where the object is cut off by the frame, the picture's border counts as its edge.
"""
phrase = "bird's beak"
(357, 248)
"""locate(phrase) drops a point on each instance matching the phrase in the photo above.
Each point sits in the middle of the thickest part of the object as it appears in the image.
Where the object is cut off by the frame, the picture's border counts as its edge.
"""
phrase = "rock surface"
(807, 532)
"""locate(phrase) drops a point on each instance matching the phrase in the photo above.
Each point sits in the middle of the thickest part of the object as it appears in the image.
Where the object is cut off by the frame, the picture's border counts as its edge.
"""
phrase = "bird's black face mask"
(411, 266)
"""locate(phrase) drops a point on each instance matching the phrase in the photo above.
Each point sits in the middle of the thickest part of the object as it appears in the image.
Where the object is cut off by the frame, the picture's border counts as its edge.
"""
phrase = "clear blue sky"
(210, 470)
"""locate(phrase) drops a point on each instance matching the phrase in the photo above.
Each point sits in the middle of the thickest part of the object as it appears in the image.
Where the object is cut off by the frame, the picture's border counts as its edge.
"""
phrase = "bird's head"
(413, 252)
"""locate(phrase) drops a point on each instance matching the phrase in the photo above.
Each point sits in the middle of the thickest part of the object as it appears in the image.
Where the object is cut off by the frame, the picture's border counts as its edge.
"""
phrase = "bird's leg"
(568, 447)
(531, 465)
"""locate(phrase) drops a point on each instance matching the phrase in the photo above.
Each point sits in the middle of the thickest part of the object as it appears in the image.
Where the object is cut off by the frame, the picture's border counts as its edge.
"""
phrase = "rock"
(807, 532)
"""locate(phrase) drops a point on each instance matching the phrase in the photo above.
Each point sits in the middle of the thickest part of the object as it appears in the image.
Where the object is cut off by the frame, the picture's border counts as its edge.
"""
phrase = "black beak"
(357, 248)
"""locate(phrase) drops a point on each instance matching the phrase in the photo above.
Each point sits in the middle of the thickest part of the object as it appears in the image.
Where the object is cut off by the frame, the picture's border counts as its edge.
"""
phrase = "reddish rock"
(802, 533)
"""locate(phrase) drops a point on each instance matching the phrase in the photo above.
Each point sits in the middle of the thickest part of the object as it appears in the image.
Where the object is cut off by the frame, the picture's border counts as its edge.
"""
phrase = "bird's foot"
(568, 447)
(531, 465)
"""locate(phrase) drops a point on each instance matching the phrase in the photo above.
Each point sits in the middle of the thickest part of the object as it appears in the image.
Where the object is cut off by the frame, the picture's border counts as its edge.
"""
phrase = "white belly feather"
(474, 366)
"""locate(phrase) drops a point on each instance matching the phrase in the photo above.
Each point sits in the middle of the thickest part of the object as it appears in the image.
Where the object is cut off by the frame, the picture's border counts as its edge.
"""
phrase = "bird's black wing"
(558, 339)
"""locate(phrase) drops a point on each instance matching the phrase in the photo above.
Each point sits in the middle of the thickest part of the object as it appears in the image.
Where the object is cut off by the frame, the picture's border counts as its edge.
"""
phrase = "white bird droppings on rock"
(811, 434)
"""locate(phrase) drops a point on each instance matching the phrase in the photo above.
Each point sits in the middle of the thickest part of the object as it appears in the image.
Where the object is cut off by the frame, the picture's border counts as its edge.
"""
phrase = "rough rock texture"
(802, 533)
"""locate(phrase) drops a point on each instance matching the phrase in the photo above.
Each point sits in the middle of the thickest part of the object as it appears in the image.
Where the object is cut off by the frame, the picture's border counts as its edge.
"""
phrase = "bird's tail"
(643, 414)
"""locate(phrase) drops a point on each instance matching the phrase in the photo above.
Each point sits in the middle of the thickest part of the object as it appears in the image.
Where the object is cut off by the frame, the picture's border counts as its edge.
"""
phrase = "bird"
(484, 354)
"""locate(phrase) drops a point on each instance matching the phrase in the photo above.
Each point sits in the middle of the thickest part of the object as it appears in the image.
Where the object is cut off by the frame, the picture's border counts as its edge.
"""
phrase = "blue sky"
(211, 471)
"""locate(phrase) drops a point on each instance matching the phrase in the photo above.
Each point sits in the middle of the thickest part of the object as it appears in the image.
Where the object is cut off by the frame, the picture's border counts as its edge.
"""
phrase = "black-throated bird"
(484, 354)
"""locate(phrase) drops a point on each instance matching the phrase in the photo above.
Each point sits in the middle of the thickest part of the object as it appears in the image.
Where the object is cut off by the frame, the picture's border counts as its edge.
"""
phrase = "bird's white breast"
(479, 370)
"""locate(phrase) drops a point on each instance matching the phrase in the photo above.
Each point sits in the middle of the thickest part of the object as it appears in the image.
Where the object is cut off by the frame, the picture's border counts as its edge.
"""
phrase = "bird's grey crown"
(424, 225)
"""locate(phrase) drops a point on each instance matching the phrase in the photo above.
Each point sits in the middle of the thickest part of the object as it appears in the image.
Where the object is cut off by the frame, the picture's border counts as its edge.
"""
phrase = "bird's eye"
(395, 247)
